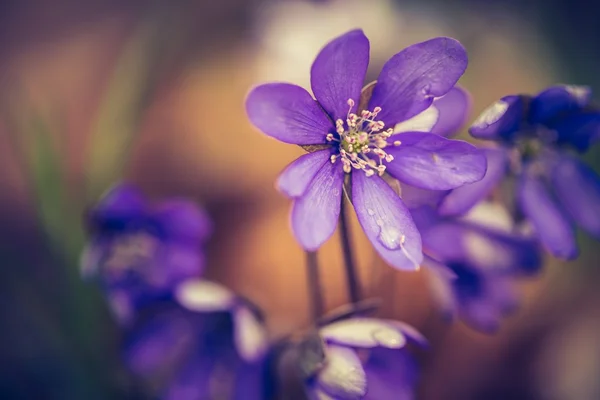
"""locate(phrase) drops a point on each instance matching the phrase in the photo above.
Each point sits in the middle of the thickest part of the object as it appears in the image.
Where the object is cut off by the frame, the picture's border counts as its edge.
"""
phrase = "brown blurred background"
(152, 91)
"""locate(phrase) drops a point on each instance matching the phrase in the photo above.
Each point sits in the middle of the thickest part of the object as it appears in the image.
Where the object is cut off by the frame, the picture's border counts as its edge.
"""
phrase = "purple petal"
(250, 335)
(178, 262)
(249, 383)
(338, 73)
(411, 79)
(386, 221)
(453, 108)
(315, 214)
(580, 130)
(182, 221)
(193, 381)
(556, 100)
(296, 177)
(288, 113)
(391, 375)
(501, 120)
(578, 188)
(122, 202)
(432, 162)
(458, 242)
(343, 375)
(158, 345)
(484, 298)
(440, 280)
(552, 226)
(364, 332)
(416, 197)
(462, 199)
(444, 117)
(424, 217)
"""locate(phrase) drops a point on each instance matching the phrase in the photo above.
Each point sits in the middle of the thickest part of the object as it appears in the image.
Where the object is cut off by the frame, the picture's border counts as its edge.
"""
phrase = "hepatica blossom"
(351, 141)
(554, 189)
(204, 344)
(366, 358)
(139, 251)
(474, 262)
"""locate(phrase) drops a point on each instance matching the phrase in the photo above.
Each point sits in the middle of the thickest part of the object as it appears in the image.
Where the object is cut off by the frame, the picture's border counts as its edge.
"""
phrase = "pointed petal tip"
(338, 72)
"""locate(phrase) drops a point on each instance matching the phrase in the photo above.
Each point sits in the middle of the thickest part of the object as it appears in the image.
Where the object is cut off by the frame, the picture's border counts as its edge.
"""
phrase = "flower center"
(362, 141)
(132, 251)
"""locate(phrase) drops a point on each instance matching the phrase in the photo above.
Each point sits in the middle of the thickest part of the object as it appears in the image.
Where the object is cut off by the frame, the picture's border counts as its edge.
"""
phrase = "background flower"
(554, 189)
(366, 358)
(139, 251)
(475, 262)
(203, 343)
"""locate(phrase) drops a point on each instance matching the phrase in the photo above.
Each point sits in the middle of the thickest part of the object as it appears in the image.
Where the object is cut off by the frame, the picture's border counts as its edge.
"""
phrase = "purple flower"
(554, 189)
(351, 138)
(366, 358)
(474, 262)
(140, 251)
(206, 343)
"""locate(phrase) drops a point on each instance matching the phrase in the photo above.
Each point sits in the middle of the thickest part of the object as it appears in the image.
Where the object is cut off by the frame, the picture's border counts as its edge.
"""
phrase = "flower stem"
(314, 285)
(351, 275)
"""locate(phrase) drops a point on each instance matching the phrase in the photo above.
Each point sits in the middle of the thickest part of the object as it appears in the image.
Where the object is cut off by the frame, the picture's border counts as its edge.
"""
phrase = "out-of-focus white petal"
(343, 375)
(364, 332)
(422, 122)
(491, 215)
(250, 335)
(204, 296)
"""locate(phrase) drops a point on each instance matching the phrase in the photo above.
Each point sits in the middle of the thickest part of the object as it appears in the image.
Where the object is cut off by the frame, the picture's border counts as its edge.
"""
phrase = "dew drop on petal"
(390, 237)
(370, 211)
(426, 89)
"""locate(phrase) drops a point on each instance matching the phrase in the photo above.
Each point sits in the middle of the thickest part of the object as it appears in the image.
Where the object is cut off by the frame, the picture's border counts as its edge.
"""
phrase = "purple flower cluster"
(180, 331)
(421, 197)
(554, 189)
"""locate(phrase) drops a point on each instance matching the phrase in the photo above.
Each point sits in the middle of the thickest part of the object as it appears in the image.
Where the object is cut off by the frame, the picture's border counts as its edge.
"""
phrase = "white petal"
(491, 114)
(202, 295)
(250, 335)
(491, 215)
(316, 394)
(343, 375)
(423, 122)
(364, 332)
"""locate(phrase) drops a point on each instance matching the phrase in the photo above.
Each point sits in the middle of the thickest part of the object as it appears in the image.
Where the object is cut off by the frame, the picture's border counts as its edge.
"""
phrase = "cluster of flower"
(421, 198)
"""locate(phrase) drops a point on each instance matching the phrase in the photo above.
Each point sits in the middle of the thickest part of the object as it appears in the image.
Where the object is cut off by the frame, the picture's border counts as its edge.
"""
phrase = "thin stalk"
(349, 260)
(314, 285)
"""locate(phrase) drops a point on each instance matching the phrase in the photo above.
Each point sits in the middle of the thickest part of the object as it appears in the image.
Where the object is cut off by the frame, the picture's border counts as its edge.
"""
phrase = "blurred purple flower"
(206, 343)
(475, 261)
(345, 132)
(554, 189)
(366, 358)
(140, 251)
